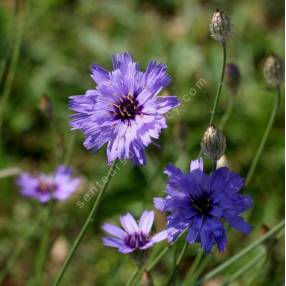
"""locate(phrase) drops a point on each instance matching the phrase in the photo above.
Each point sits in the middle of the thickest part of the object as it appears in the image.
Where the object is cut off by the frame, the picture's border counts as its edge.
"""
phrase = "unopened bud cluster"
(213, 144)
(273, 70)
(220, 26)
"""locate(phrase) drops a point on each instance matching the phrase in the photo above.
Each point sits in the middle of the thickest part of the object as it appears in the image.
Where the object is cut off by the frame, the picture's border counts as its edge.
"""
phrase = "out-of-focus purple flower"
(200, 204)
(134, 236)
(59, 186)
(124, 110)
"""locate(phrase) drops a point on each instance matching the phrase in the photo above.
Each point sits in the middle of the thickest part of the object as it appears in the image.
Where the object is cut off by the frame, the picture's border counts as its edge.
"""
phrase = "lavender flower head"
(124, 110)
(134, 236)
(200, 204)
(59, 186)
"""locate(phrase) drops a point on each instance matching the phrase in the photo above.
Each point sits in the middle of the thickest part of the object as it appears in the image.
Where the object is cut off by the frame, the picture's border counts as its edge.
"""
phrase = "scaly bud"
(213, 144)
(273, 70)
(220, 26)
(232, 77)
(222, 162)
(146, 279)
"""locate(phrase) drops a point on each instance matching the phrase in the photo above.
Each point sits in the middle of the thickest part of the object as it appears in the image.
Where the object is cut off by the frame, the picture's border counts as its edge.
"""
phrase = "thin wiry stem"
(8, 172)
(264, 138)
(189, 277)
(157, 258)
(86, 224)
(42, 253)
(20, 26)
(259, 258)
(149, 266)
(175, 269)
(218, 93)
(213, 111)
(134, 277)
(69, 150)
(243, 252)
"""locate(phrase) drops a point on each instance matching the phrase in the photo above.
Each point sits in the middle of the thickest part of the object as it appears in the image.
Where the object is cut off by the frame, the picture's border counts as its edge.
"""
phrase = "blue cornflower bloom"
(59, 185)
(124, 110)
(134, 236)
(201, 203)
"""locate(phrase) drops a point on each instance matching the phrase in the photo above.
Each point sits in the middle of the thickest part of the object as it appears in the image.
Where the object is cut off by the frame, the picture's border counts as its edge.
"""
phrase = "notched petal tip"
(197, 164)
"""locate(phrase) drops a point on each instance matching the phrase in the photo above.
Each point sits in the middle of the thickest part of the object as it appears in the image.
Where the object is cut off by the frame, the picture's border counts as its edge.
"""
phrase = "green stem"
(179, 259)
(189, 277)
(228, 112)
(20, 26)
(218, 93)
(16, 254)
(135, 275)
(69, 150)
(243, 252)
(253, 262)
(213, 111)
(8, 172)
(264, 138)
(157, 258)
(199, 270)
(86, 224)
(42, 254)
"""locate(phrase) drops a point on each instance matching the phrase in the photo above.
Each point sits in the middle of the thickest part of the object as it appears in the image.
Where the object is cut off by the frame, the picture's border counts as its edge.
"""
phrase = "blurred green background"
(46, 49)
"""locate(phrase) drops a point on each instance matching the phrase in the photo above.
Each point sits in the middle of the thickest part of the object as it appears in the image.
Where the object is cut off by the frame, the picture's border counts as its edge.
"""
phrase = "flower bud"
(273, 70)
(213, 144)
(220, 26)
(222, 162)
(146, 279)
(232, 77)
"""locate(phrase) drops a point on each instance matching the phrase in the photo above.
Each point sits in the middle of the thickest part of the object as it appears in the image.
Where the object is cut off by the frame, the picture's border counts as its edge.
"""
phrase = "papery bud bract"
(220, 26)
(232, 77)
(222, 162)
(146, 279)
(213, 144)
(273, 70)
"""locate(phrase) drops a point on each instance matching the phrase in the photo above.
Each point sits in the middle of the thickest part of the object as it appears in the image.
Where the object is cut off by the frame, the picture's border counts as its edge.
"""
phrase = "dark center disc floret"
(136, 240)
(45, 187)
(127, 108)
(202, 204)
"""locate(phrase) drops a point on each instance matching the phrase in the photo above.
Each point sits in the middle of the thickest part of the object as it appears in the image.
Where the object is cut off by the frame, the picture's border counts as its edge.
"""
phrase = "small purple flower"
(133, 236)
(124, 110)
(200, 204)
(59, 186)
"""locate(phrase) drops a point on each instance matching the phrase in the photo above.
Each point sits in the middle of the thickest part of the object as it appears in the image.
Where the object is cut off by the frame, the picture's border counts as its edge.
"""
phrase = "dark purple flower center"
(136, 240)
(127, 109)
(45, 187)
(202, 204)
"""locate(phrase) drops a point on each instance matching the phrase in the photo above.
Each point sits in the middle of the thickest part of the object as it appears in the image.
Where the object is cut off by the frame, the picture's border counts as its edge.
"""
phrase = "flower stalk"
(42, 254)
(213, 111)
(264, 138)
(86, 224)
(243, 252)
(178, 262)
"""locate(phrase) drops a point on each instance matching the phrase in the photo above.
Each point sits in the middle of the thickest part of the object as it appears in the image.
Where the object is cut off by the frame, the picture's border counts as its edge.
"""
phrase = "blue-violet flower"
(124, 110)
(59, 186)
(134, 236)
(201, 203)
